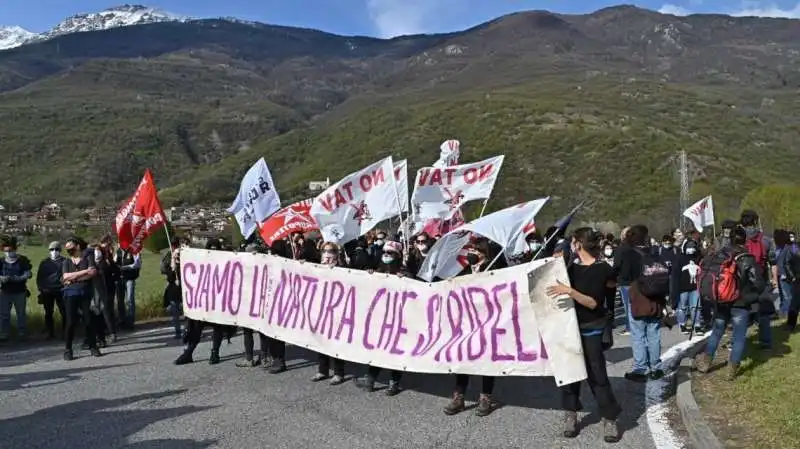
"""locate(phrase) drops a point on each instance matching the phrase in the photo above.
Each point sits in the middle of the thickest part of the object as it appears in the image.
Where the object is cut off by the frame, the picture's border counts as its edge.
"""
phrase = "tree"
(778, 205)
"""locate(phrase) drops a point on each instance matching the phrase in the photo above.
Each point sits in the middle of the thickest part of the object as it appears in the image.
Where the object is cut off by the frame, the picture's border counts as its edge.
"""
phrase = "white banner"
(257, 198)
(495, 324)
(440, 192)
(357, 203)
(449, 153)
(401, 179)
(701, 213)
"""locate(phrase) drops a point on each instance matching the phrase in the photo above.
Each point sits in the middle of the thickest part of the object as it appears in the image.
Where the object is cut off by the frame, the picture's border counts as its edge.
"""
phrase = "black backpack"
(654, 280)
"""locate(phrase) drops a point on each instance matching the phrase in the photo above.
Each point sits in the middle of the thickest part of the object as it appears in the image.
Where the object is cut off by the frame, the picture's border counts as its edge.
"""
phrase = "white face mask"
(608, 252)
(54, 254)
(534, 246)
(387, 259)
(690, 251)
(379, 242)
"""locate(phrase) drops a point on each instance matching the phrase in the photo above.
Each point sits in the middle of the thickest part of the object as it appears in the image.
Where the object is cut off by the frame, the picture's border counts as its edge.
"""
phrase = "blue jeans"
(740, 321)
(688, 306)
(625, 294)
(19, 302)
(785, 297)
(646, 342)
(130, 302)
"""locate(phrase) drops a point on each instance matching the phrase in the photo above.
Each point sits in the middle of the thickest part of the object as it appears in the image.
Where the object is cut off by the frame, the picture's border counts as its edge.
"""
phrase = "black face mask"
(472, 259)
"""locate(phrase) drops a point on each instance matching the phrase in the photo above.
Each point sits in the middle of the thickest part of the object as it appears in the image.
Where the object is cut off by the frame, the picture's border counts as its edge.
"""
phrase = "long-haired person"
(78, 272)
(478, 260)
(421, 244)
(589, 276)
(391, 262)
(330, 255)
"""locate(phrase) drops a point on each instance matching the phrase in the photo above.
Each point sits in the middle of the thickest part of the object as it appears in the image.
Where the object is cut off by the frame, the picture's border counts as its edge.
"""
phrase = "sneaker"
(394, 388)
(101, 343)
(96, 352)
(486, 405)
(337, 380)
(702, 363)
(68, 355)
(278, 366)
(570, 424)
(685, 330)
(366, 383)
(656, 374)
(456, 405)
(247, 363)
(114, 338)
(625, 332)
(634, 376)
(699, 331)
(610, 431)
(319, 377)
(185, 358)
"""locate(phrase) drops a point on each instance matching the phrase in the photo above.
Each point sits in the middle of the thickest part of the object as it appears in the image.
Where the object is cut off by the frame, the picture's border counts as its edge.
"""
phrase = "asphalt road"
(134, 397)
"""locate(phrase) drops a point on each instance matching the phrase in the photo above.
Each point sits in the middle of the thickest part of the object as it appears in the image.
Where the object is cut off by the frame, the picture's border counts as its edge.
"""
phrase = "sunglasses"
(421, 241)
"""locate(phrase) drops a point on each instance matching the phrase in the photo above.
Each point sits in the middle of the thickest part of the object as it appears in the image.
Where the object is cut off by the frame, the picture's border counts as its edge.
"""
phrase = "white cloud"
(674, 10)
(764, 9)
(400, 17)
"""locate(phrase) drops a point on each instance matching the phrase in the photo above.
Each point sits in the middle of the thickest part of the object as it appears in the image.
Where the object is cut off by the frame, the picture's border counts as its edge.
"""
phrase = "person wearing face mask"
(391, 263)
(422, 244)
(478, 259)
(103, 303)
(686, 271)
(77, 273)
(724, 239)
(330, 255)
(48, 281)
(15, 270)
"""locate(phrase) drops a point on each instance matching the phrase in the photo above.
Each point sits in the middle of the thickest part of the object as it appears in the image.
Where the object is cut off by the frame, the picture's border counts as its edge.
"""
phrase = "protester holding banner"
(391, 262)
(331, 255)
(589, 276)
(478, 260)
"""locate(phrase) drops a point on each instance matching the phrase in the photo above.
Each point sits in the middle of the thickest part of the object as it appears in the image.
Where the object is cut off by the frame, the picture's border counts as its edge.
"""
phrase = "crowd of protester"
(654, 282)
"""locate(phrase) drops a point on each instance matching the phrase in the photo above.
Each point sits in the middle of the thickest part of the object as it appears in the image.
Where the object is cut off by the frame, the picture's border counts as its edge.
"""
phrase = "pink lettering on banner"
(344, 194)
(213, 287)
(448, 176)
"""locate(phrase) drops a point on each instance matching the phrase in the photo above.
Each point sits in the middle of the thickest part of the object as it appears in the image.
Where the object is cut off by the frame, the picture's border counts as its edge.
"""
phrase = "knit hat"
(391, 246)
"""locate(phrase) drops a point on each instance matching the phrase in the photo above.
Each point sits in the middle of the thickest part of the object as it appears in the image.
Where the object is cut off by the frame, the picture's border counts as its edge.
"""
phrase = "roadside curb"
(700, 434)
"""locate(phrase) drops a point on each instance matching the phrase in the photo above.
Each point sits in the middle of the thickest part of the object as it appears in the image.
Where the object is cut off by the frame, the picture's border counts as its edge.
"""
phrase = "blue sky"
(382, 18)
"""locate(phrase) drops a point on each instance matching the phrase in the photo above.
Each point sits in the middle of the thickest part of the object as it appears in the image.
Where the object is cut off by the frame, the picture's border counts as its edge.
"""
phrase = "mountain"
(14, 36)
(591, 106)
(116, 17)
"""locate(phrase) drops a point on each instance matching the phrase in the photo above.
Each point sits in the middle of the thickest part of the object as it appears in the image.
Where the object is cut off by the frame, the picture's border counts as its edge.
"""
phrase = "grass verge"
(759, 408)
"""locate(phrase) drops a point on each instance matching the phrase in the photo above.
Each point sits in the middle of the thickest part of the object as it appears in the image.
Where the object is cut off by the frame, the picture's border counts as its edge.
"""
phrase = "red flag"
(140, 216)
(295, 217)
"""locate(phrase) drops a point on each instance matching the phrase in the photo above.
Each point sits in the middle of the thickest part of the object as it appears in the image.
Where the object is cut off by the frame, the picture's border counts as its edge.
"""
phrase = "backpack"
(756, 247)
(654, 280)
(719, 277)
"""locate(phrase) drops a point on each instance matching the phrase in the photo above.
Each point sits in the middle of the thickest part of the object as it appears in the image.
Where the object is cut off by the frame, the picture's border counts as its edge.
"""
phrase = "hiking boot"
(486, 405)
(610, 431)
(634, 376)
(366, 383)
(570, 424)
(337, 380)
(656, 374)
(456, 405)
(733, 371)
(394, 388)
(96, 352)
(214, 359)
(319, 377)
(68, 356)
(185, 358)
(702, 363)
(278, 366)
(247, 363)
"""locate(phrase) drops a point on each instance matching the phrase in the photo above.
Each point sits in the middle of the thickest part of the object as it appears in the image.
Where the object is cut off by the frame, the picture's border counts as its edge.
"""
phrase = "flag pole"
(483, 209)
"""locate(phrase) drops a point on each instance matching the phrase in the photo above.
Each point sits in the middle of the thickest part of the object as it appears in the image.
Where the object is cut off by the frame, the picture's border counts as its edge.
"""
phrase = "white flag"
(449, 152)
(440, 192)
(257, 198)
(354, 205)
(701, 213)
(401, 178)
(506, 227)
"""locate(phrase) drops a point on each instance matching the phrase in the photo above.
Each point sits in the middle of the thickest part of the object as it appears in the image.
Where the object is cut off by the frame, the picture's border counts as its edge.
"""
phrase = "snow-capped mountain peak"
(118, 16)
(14, 36)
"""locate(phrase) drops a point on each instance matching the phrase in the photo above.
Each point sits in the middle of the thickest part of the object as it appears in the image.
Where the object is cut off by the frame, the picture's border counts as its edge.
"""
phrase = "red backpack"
(718, 279)
(756, 247)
